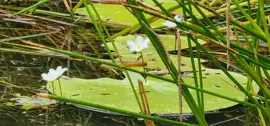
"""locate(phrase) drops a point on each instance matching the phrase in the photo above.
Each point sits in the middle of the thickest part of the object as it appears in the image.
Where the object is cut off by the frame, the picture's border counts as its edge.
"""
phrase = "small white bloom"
(52, 75)
(172, 24)
(138, 45)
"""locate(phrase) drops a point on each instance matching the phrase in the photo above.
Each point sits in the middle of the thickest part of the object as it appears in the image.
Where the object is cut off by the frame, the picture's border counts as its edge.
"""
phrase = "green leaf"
(162, 96)
(150, 56)
(119, 14)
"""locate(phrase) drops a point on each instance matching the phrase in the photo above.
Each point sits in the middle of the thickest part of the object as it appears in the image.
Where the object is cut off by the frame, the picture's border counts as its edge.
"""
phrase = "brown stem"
(228, 30)
(178, 40)
(145, 104)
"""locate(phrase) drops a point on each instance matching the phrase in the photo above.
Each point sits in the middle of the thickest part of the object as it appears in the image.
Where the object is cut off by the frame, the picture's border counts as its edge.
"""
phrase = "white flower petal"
(177, 18)
(145, 43)
(53, 74)
(169, 24)
(134, 50)
(139, 40)
(46, 77)
(59, 68)
(62, 71)
(51, 70)
(139, 45)
(132, 46)
(147, 40)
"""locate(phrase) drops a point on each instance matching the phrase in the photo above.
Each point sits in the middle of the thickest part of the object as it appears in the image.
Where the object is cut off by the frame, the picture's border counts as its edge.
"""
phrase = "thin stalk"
(228, 30)
(200, 77)
(29, 8)
(194, 19)
(192, 58)
(77, 5)
(263, 19)
(53, 87)
(60, 88)
(249, 7)
(69, 9)
(142, 61)
(246, 28)
(210, 22)
(98, 30)
(261, 117)
(194, 70)
(28, 36)
(180, 93)
(255, 26)
(219, 11)
(33, 10)
(145, 103)
(134, 91)
(253, 74)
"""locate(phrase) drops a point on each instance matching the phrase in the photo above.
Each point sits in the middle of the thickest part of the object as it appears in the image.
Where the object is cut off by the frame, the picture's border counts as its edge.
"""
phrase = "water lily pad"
(168, 41)
(150, 56)
(162, 96)
(118, 13)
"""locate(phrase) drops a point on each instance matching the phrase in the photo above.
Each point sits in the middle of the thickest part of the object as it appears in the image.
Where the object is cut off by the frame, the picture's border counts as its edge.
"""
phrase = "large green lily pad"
(118, 13)
(150, 55)
(162, 96)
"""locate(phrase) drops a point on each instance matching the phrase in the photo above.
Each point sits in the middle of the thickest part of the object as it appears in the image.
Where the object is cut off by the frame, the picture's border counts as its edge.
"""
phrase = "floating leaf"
(150, 56)
(32, 102)
(118, 13)
(162, 96)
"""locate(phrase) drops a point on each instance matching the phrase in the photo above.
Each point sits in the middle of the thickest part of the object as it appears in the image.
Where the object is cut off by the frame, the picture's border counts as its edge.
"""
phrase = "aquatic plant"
(172, 24)
(53, 74)
(196, 25)
(139, 44)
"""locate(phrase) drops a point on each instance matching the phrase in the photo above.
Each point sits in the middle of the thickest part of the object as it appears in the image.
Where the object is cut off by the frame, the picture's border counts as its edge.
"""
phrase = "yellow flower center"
(139, 46)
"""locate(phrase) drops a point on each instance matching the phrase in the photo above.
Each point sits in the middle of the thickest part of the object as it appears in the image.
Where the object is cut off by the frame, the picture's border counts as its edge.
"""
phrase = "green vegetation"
(169, 70)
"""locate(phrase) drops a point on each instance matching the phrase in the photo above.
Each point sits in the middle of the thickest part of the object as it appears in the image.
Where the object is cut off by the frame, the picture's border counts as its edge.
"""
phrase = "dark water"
(68, 115)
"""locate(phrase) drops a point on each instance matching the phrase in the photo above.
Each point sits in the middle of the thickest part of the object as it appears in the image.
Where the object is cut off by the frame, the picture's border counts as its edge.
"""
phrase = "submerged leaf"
(32, 102)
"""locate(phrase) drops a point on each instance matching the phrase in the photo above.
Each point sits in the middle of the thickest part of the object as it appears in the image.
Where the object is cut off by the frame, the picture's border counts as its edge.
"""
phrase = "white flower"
(172, 24)
(139, 45)
(52, 75)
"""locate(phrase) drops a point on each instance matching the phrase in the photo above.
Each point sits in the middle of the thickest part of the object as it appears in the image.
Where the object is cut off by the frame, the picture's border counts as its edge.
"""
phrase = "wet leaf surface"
(162, 96)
